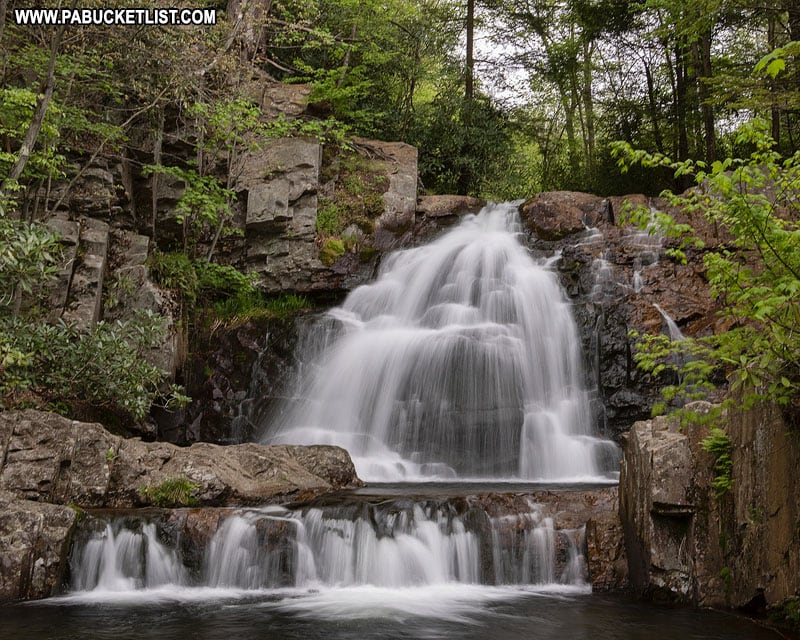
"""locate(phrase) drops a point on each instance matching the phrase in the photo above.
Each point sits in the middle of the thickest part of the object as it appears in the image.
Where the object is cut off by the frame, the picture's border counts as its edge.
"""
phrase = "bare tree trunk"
(706, 109)
(651, 99)
(3, 10)
(775, 112)
(680, 102)
(588, 106)
(155, 177)
(469, 89)
(39, 113)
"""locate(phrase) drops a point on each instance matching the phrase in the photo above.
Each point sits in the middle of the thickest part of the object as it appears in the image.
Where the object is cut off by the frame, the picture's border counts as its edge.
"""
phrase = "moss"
(356, 198)
(366, 254)
(787, 614)
(331, 251)
(173, 492)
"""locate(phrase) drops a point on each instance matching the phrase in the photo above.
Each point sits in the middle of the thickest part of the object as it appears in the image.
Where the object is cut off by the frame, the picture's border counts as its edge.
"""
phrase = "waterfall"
(461, 360)
(119, 558)
(673, 330)
(395, 543)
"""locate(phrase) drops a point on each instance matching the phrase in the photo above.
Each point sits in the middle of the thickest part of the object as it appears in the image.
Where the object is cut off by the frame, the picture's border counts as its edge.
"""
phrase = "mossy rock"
(331, 251)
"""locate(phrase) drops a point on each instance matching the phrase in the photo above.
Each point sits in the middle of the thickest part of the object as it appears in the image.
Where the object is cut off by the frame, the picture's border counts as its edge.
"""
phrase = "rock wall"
(687, 545)
(615, 274)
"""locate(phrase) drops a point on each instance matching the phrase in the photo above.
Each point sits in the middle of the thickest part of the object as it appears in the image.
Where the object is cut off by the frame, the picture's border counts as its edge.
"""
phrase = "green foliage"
(718, 444)
(787, 613)
(464, 145)
(204, 203)
(173, 492)
(199, 282)
(756, 275)
(66, 368)
(327, 221)
(176, 272)
(16, 111)
(248, 306)
(28, 259)
(217, 281)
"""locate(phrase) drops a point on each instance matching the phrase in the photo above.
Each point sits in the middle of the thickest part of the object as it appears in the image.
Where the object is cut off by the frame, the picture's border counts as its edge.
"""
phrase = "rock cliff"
(687, 545)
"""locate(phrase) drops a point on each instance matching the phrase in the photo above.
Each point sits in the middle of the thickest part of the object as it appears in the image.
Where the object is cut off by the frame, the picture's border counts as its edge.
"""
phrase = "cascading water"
(461, 360)
(396, 543)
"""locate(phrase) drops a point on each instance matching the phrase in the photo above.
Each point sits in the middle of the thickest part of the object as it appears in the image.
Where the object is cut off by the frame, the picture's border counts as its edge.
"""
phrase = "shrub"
(718, 444)
(69, 370)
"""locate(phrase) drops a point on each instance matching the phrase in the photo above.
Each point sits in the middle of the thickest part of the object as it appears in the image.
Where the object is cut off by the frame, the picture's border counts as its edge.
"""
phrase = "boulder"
(34, 539)
(49, 458)
(557, 214)
(444, 206)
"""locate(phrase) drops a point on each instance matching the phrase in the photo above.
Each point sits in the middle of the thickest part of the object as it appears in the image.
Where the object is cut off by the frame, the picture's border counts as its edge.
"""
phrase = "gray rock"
(130, 291)
(34, 539)
(400, 200)
(49, 458)
(85, 298)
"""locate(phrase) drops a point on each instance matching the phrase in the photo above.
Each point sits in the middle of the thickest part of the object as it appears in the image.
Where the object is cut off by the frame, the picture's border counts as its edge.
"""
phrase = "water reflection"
(468, 612)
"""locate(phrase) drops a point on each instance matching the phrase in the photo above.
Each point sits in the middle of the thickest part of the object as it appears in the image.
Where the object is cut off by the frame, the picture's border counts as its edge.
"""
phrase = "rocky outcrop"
(48, 458)
(615, 274)
(34, 542)
(49, 462)
(557, 214)
(687, 545)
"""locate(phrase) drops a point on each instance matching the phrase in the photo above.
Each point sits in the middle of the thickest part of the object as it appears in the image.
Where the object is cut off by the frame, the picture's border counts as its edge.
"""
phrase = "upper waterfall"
(461, 360)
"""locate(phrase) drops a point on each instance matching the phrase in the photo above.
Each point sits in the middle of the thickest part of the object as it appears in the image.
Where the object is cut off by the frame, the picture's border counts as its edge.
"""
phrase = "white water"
(461, 360)
(673, 330)
(395, 544)
(118, 559)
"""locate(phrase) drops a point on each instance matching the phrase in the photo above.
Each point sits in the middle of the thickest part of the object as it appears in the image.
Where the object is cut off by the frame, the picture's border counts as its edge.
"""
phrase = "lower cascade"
(461, 361)
(395, 543)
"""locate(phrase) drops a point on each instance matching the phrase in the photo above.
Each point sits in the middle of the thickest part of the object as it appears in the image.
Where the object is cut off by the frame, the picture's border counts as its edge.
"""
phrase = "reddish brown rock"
(557, 214)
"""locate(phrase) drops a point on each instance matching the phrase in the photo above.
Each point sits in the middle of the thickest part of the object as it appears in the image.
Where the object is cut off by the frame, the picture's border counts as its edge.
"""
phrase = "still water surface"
(447, 611)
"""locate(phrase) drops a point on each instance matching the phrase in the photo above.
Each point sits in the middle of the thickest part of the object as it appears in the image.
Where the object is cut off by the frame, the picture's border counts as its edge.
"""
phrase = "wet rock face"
(614, 275)
(687, 545)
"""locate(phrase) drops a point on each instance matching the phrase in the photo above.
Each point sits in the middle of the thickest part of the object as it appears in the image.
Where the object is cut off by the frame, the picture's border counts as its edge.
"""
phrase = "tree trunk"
(775, 112)
(680, 102)
(155, 178)
(3, 9)
(39, 113)
(588, 106)
(469, 90)
(651, 100)
(707, 110)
